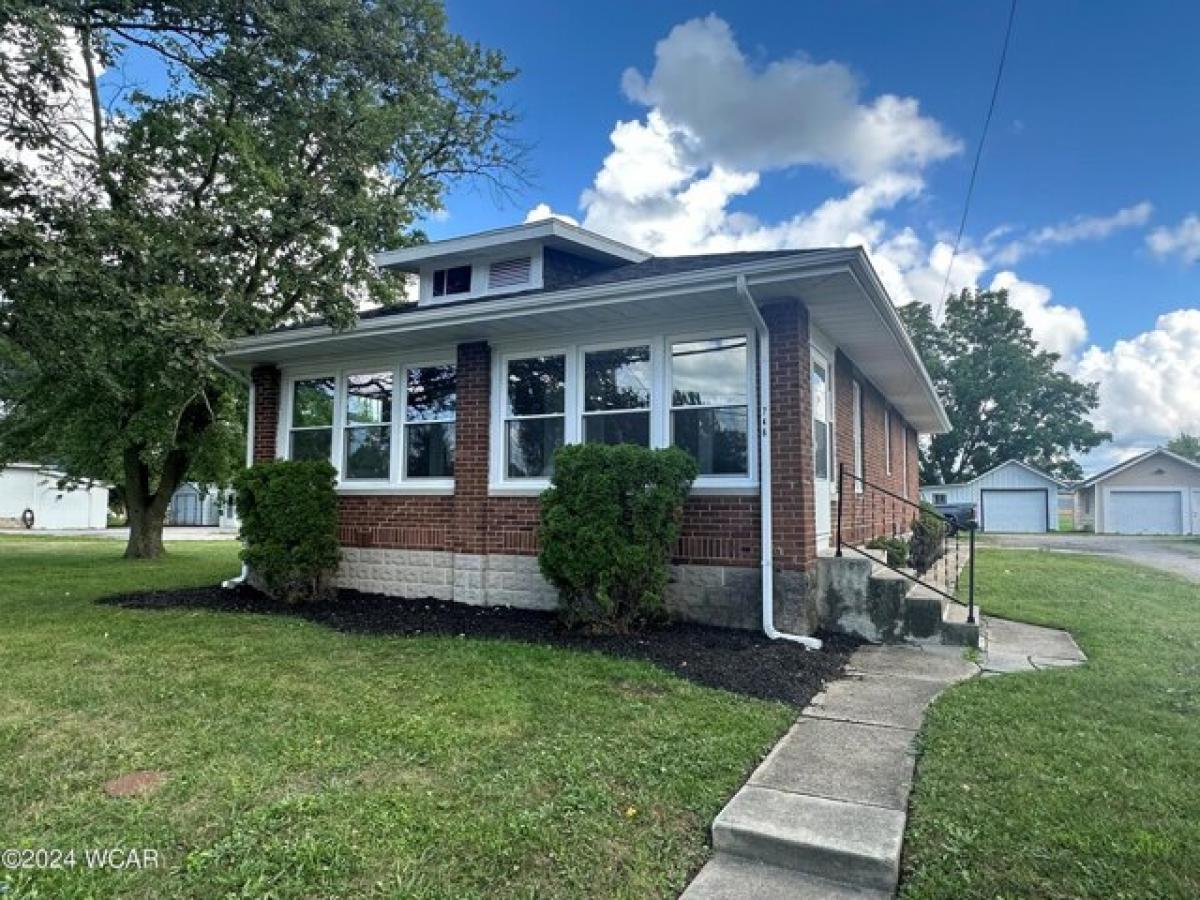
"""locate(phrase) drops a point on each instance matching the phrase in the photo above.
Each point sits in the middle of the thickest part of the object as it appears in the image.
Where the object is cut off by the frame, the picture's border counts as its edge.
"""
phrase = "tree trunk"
(145, 530)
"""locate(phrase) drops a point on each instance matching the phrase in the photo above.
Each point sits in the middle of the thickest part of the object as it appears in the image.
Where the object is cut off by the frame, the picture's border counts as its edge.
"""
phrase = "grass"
(301, 762)
(1071, 783)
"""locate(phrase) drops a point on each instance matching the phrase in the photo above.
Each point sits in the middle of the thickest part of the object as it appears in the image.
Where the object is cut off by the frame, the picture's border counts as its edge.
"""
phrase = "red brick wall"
(396, 522)
(266, 411)
(472, 379)
(792, 499)
(871, 512)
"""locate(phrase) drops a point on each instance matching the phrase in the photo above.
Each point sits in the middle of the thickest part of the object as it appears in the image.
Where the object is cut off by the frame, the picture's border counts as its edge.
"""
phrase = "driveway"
(171, 533)
(1180, 556)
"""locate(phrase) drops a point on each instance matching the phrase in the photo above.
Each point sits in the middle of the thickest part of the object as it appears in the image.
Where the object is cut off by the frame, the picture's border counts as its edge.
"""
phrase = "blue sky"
(1091, 153)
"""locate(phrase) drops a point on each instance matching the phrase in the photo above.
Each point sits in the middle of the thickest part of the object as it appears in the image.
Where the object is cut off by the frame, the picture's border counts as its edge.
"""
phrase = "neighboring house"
(1157, 492)
(1012, 497)
(197, 505)
(442, 416)
(28, 487)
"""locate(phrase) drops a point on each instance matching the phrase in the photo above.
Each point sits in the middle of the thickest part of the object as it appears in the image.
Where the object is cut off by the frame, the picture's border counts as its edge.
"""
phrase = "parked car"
(958, 515)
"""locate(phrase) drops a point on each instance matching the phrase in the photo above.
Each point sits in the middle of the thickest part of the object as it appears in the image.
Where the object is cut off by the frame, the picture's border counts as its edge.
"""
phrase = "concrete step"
(727, 877)
(956, 629)
(843, 842)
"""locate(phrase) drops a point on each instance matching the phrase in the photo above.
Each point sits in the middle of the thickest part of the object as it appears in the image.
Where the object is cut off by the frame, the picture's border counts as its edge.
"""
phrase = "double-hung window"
(858, 436)
(311, 432)
(367, 441)
(534, 414)
(616, 396)
(709, 403)
(429, 410)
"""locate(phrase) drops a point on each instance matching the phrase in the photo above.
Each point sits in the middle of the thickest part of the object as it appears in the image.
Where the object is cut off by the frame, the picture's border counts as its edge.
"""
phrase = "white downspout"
(244, 574)
(764, 480)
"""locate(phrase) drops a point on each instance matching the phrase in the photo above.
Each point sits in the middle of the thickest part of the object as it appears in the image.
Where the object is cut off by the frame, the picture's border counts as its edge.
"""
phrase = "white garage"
(1021, 511)
(1012, 497)
(1157, 492)
(30, 490)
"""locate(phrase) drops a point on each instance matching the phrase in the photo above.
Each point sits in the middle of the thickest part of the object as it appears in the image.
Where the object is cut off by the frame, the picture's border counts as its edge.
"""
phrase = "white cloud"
(1147, 383)
(1059, 329)
(543, 211)
(1080, 228)
(1183, 241)
(724, 112)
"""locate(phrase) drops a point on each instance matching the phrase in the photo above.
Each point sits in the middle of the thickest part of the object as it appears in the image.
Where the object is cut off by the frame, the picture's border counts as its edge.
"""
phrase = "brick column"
(792, 501)
(471, 448)
(266, 411)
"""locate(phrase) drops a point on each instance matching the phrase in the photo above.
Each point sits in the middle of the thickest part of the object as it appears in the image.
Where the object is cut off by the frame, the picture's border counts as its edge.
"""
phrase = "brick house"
(771, 368)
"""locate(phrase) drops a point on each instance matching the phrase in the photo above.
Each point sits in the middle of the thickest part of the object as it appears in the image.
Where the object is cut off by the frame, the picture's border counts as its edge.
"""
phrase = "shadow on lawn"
(744, 662)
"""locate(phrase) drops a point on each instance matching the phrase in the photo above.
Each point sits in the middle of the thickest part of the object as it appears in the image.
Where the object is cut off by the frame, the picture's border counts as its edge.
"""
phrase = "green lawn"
(301, 762)
(1073, 783)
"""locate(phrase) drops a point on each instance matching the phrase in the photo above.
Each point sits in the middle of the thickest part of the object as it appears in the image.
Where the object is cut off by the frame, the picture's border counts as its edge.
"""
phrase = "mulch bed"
(744, 662)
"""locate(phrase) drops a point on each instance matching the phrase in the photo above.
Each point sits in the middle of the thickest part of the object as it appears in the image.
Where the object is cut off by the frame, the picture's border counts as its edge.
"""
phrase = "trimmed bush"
(608, 524)
(289, 527)
(928, 535)
(896, 547)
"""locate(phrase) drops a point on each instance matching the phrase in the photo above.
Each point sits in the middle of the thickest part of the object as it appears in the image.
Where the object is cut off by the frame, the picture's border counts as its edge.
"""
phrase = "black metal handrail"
(885, 511)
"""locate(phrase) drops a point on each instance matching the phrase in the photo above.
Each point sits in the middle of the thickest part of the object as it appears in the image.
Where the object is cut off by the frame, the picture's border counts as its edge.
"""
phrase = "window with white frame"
(534, 414)
(367, 428)
(381, 427)
(455, 280)
(616, 396)
(310, 435)
(887, 438)
(858, 436)
(429, 411)
(710, 405)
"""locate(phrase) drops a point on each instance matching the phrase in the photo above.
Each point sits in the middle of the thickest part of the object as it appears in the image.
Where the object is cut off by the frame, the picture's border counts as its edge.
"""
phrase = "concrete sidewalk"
(824, 815)
(170, 533)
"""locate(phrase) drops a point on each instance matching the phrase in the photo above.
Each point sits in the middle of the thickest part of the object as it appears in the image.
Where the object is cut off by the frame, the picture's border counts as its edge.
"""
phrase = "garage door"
(1145, 512)
(1020, 511)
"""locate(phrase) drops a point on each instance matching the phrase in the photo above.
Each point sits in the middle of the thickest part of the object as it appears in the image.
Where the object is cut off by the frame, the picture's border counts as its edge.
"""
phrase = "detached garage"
(1013, 497)
(1157, 492)
(29, 491)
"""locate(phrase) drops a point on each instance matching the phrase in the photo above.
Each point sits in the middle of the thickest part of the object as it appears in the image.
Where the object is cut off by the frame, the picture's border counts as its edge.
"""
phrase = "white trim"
(660, 342)
(398, 481)
(546, 229)
(887, 438)
(859, 448)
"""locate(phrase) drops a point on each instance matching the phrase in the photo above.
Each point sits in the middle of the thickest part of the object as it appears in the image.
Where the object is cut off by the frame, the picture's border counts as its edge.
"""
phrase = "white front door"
(1195, 511)
(821, 380)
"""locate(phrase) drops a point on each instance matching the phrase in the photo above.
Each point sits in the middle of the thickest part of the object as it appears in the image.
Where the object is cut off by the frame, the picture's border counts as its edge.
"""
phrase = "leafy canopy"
(1186, 445)
(271, 148)
(1005, 397)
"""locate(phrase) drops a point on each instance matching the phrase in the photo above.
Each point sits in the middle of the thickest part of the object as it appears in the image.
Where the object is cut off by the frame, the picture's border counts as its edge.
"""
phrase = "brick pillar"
(471, 448)
(266, 411)
(793, 522)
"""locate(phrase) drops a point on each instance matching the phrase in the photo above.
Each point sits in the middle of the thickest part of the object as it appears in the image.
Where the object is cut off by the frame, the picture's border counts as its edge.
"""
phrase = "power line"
(1012, 12)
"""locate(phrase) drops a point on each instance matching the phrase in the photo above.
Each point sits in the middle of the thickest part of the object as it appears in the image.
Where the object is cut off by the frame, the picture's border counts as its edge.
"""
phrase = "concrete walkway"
(823, 816)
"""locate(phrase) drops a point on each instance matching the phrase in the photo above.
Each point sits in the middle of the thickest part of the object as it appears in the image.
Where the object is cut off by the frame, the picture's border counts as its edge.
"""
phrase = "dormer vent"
(508, 273)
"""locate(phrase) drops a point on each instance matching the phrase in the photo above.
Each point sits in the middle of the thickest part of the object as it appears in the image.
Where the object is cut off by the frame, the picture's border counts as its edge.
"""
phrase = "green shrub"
(928, 534)
(896, 547)
(289, 527)
(608, 524)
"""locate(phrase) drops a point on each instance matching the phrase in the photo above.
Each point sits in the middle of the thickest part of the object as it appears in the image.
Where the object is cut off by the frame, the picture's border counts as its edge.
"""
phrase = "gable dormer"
(548, 254)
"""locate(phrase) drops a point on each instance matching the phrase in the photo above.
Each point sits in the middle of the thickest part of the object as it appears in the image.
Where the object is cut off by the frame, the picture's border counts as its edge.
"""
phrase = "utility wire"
(1012, 12)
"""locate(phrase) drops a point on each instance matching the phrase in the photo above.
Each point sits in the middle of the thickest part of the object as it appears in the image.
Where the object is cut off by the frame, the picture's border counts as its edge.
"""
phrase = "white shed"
(1012, 497)
(1156, 492)
(30, 488)
(193, 504)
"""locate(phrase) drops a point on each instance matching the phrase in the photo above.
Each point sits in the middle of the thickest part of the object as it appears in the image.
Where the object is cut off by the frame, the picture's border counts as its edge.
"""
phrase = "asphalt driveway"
(1180, 556)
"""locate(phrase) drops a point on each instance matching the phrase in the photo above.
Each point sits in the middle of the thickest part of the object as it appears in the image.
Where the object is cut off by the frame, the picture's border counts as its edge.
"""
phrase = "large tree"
(1006, 398)
(267, 150)
(1186, 445)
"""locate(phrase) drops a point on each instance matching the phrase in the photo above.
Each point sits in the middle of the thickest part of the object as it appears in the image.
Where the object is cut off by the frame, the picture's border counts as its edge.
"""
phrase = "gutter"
(766, 535)
(245, 572)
